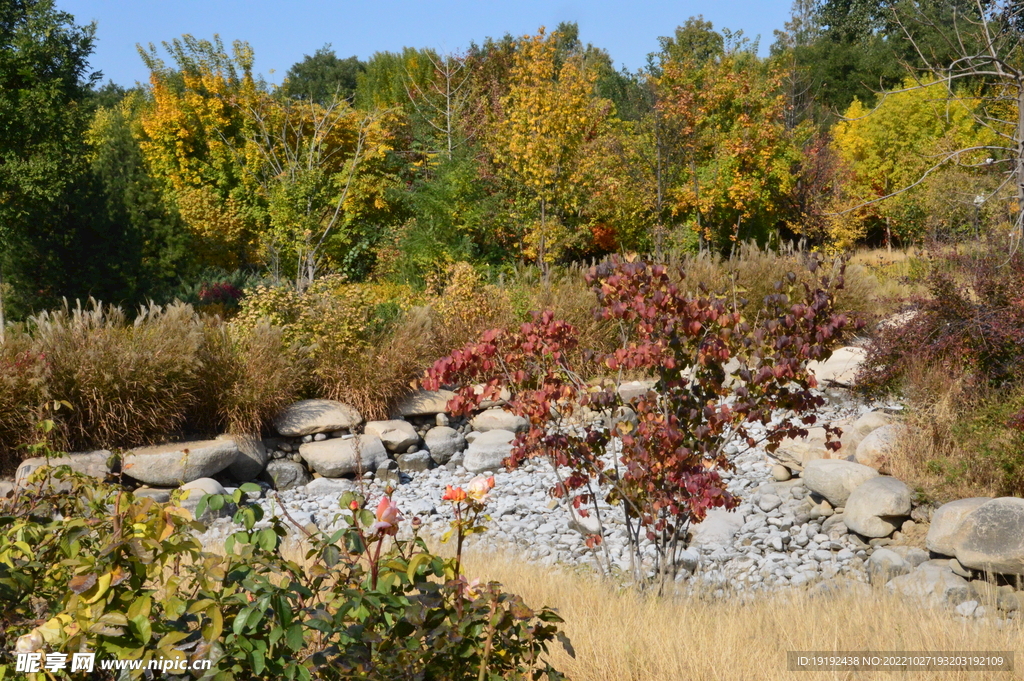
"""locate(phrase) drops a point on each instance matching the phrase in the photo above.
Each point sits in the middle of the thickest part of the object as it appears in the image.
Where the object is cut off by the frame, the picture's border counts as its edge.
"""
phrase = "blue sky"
(282, 32)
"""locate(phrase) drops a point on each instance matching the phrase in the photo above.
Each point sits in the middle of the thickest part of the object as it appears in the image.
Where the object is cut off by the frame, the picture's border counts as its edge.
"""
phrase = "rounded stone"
(344, 456)
(877, 507)
(991, 538)
(180, 462)
(308, 417)
(836, 479)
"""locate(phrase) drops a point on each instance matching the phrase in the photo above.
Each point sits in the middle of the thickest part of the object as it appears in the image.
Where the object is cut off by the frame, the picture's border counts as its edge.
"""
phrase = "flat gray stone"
(308, 417)
(180, 462)
(488, 451)
(946, 521)
(718, 527)
(339, 457)
(835, 479)
(93, 464)
(991, 538)
(840, 368)
(192, 492)
(159, 495)
(499, 419)
(397, 435)
(424, 403)
(878, 507)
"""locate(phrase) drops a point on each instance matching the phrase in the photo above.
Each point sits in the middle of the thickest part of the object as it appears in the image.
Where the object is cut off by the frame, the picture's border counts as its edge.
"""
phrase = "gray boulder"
(344, 456)
(308, 417)
(396, 434)
(854, 433)
(877, 507)
(424, 403)
(932, 582)
(180, 462)
(835, 479)
(991, 538)
(885, 564)
(946, 523)
(498, 419)
(443, 442)
(251, 460)
(488, 450)
(284, 474)
(414, 462)
(93, 464)
(718, 527)
(877, 446)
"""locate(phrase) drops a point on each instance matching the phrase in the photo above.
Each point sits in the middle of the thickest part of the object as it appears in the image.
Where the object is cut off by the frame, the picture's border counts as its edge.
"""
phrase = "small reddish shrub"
(717, 372)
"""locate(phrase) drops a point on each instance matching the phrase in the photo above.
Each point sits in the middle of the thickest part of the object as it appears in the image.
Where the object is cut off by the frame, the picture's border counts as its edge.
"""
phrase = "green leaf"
(417, 561)
(294, 637)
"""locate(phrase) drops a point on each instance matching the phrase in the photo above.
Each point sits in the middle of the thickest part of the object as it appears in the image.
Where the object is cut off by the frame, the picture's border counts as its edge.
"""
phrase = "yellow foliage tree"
(898, 148)
(548, 115)
(192, 130)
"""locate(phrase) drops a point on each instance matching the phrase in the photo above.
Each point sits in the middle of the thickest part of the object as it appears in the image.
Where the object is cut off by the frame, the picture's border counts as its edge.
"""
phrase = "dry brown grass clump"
(127, 383)
(957, 443)
(621, 635)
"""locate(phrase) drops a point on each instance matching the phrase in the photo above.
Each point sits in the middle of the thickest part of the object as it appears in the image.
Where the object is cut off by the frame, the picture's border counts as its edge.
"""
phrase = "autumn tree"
(196, 122)
(549, 114)
(896, 150)
(726, 110)
(310, 166)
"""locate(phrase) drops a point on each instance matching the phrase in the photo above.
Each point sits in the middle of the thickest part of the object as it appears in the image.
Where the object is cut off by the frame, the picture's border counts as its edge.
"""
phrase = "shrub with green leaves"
(91, 567)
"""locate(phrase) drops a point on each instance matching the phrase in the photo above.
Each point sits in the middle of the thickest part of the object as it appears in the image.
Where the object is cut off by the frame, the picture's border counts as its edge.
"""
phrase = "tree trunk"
(1019, 166)
(3, 319)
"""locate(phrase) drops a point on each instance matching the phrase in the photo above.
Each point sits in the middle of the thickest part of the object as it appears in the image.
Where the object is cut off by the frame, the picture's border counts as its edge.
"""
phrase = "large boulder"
(854, 433)
(344, 456)
(795, 453)
(877, 446)
(308, 417)
(424, 403)
(932, 582)
(93, 464)
(498, 419)
(284, 474)
(251, 460)
(840, 368)
(991, 537)
(835, 479)
(488, 451)
(396, 434)
(877, 507)
(443, 442)
(718, 528)
(415, 462)
(180, 462)
(945, 524)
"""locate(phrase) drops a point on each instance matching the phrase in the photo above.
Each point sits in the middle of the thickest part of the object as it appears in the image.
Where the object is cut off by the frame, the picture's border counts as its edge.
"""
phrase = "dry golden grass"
(619, 635)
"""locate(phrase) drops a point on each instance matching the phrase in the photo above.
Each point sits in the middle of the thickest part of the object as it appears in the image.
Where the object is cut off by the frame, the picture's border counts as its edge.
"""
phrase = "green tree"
(322, 77)
(43, 82)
